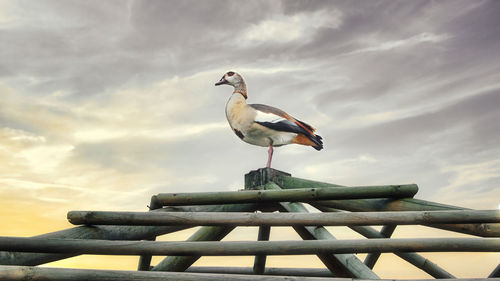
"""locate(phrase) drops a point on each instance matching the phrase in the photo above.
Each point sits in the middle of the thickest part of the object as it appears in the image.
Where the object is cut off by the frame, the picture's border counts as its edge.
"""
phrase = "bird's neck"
(241, 88)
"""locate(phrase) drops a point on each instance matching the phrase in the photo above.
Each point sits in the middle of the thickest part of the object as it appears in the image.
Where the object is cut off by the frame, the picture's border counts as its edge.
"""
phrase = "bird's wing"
(279, 120)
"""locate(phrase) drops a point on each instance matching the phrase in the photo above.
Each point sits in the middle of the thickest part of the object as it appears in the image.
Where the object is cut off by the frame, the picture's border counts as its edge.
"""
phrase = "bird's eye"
(230, 73)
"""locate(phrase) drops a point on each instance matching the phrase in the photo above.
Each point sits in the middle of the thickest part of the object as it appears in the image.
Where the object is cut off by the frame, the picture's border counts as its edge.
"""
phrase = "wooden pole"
(206, 233)
(344, 265)
(145, 260)
(298, 195)
(22, 273)
(283, 219)
(405, 204)
(305, 272)
(111, 233)
(180, 262)
(417, 260)
(259, 265)
(250, 248)
(495, 272)
(372, 258)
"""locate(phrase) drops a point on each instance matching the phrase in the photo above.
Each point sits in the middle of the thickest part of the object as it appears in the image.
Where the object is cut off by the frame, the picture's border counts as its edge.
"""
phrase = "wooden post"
(259, 264)
(260, 177)
(372, 258)
(145, 260)
(405, 204)
(282, 219)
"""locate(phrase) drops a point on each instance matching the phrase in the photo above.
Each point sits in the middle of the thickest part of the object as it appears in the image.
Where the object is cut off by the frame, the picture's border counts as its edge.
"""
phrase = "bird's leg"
(269, 156)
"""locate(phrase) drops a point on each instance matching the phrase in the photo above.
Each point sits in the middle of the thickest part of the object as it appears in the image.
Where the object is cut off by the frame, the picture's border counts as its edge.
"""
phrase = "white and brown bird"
(264, 125)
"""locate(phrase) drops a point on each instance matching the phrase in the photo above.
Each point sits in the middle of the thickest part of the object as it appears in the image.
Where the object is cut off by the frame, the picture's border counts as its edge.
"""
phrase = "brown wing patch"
(302, 139)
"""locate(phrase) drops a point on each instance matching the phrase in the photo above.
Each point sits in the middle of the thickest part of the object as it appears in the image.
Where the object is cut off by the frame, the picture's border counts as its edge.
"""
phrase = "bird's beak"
(222, 81)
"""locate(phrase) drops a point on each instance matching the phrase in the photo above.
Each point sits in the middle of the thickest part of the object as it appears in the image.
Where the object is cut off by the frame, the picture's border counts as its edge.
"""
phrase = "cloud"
(283, 29)
(104, 104)
(424, 37)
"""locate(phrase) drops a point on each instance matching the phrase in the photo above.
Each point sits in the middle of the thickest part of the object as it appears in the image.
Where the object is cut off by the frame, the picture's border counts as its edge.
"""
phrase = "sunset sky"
(106, 103)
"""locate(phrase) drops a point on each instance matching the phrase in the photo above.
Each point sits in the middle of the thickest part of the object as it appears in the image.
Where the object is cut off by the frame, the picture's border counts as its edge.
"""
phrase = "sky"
(106, 103)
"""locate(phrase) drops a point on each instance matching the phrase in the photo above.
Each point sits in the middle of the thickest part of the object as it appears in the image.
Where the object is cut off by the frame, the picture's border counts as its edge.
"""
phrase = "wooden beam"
(206, 233)
(145, 260)
(415, 259)
(111, 233)
(259, 265)
(21, 273)
(305, 272)
(344, 265)
(251, 248)
(495, 272)
(180, 262)
(283, 219)
(404, 204)
(290, 195)
(372, 258)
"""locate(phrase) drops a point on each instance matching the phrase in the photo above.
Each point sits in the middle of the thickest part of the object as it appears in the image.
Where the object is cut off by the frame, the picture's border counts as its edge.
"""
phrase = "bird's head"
(231, 78)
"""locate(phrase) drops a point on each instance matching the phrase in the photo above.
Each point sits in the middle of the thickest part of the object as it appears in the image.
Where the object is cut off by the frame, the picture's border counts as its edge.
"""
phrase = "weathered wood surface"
(290, 195)
(181, 262)
(145, 260)
(206, 233)
(414, 258)
(495, 272)
(18, 273)
(259, 265)
(252, 248)
(283, 219)
(342, 265)
(306, 272)
(372, 258)
(112, 233)
(404, 204)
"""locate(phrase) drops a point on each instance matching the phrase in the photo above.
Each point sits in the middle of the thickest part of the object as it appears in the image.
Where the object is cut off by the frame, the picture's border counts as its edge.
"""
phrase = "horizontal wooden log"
(291, 195)
(282, 219)
(112, 233)
(244, 248)
(18, 273)
(282, 271)
(417, 260)
(341, 265)
(404, 204)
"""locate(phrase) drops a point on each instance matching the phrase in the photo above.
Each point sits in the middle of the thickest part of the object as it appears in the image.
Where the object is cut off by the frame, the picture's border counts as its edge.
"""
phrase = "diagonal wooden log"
(372, 258)
(413, 258)
(495, 272)
(206, 233)
(340, 264)
(108, 233)
(405, 204)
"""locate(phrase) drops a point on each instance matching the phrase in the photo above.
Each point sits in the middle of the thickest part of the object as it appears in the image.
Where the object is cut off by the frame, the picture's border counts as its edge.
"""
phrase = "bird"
(264, 125)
